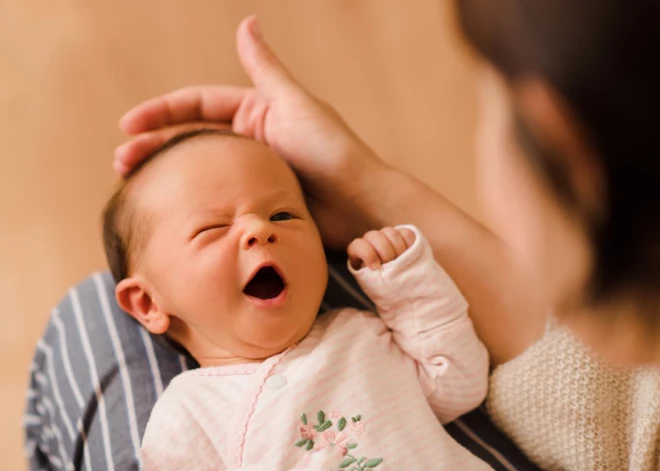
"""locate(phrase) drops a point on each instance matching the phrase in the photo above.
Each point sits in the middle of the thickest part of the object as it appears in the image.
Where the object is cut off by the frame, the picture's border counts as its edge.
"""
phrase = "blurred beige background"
(395, 70)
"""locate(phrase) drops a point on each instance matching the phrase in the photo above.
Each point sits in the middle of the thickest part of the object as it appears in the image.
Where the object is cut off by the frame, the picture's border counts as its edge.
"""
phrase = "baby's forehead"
(232, 150)
(220, 162)
(217, 150)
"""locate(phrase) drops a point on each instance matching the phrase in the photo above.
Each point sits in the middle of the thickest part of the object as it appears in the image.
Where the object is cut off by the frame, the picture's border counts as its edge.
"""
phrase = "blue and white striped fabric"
(97, 373)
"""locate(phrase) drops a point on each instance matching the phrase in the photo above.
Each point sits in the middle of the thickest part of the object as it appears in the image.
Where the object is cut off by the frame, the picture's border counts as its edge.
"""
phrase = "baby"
(211, 243)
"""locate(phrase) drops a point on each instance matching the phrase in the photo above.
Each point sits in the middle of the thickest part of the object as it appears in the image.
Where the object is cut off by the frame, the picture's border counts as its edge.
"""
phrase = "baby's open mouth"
(265, 284)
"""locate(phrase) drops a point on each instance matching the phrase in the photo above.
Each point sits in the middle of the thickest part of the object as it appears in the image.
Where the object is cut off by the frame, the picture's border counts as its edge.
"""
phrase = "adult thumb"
(260, 63)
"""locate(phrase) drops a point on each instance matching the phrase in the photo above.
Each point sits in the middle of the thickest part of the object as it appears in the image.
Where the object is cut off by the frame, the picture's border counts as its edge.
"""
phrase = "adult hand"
(278, 111)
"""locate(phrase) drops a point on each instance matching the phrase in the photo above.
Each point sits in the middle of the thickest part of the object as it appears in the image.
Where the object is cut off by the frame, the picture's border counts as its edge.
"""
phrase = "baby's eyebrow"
(273, 195)
(201, 213)
(228, 213)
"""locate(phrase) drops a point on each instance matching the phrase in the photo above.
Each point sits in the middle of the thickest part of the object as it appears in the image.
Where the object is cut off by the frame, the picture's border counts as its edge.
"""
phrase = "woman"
(571, 184)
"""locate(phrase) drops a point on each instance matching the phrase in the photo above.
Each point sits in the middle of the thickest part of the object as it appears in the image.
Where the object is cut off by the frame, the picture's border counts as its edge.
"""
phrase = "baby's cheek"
(210, 276)
(316, 274)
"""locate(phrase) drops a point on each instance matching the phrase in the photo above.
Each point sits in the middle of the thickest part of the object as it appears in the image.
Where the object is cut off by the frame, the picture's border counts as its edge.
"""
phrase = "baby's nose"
(258, 232)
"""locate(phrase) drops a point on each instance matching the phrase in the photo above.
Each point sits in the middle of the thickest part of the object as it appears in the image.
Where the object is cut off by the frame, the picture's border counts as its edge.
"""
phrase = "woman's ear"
(135, 296)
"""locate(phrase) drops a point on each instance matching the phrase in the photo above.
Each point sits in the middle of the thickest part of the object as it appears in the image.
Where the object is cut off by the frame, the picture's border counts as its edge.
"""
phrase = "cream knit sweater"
(569, 410)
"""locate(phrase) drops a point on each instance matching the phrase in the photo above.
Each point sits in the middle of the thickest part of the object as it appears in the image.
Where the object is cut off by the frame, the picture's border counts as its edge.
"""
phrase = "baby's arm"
(174, 440)
(427, 314)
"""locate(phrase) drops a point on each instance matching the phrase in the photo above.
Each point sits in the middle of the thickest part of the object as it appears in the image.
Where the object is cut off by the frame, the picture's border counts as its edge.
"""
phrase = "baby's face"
(233, 256)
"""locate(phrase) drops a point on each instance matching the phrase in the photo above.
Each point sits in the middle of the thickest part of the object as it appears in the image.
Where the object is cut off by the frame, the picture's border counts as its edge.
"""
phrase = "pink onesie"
(360, 392)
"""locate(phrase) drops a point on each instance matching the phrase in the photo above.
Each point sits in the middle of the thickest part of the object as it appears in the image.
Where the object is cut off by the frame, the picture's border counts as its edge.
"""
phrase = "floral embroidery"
(329, 437)
(320, 436)
(357, 428)
(307, 431)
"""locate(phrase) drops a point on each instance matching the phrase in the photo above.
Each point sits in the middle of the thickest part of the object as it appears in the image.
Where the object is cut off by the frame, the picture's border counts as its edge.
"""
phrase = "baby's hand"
(376, 248)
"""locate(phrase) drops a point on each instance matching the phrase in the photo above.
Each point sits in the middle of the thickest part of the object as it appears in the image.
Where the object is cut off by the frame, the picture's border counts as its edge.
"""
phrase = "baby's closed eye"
(209, 228)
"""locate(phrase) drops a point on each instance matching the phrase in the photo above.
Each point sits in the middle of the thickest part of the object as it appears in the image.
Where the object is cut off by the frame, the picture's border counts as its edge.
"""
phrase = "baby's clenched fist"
(376, 248)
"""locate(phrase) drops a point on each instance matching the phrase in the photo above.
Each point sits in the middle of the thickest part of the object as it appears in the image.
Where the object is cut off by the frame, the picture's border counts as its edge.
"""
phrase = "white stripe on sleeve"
(183, 363)
(84, 337)
(59, 326)
(45, 402)
(497, 455)
(153, 361)
(121, 362)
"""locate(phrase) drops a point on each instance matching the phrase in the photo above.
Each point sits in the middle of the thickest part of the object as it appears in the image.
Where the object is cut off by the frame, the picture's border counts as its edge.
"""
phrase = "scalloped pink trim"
(227, 370)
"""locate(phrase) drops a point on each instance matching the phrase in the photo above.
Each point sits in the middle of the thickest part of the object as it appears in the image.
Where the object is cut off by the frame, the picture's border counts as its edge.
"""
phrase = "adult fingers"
(198, 103)
(132, 152)
(264, 68)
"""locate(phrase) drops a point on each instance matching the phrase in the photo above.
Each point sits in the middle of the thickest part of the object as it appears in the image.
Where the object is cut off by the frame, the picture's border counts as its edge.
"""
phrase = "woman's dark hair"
(601, 56)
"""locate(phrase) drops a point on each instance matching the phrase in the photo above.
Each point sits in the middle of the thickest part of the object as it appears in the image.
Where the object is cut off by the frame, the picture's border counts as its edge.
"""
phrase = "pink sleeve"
(428, 317)
(174, 440)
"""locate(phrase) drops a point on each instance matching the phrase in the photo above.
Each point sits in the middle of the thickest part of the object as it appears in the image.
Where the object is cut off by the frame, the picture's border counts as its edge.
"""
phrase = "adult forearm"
(503, 306)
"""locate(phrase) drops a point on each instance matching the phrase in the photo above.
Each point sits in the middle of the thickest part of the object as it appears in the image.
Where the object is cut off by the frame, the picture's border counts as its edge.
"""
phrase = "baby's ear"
(135, 296)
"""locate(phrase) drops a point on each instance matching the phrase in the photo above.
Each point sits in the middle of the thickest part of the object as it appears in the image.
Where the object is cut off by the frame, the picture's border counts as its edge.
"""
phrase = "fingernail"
(253, 27)
(119, 152)
(256, 30)
(118, 167)
(125, 124)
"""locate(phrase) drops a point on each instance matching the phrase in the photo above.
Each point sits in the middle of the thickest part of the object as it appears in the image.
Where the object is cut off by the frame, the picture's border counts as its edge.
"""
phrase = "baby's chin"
(268, 344)
(245, 353)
